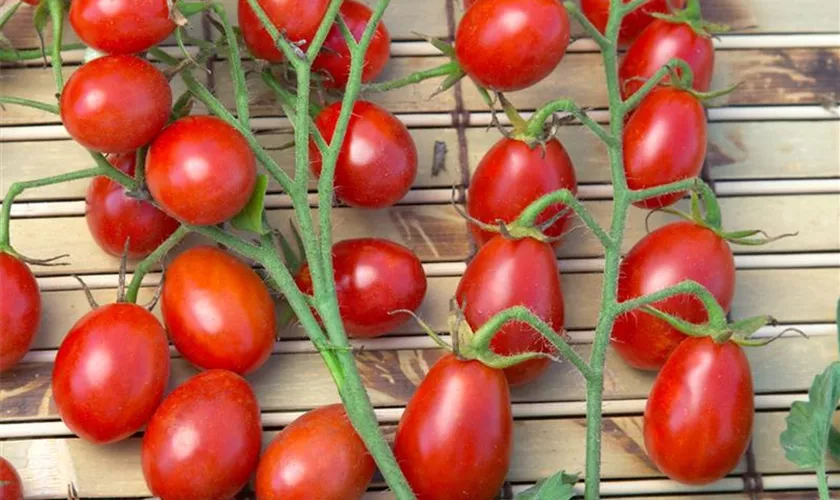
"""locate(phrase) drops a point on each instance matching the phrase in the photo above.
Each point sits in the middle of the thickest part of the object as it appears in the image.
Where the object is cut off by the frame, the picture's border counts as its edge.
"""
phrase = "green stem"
(7, 16)
(538, 119)
(146, 264)
(438, 71)
(293, 53)
(29, 103)
(237, 75)
(12, 55)
(140, 166)
(822, 482)
(528, 216)
(655, 79)
(587, 25)
(673, 187)
(56, 9)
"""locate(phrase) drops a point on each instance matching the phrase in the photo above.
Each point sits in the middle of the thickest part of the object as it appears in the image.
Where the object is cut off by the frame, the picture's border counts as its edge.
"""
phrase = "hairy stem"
(531, 212)
(29, 103)
(438, 71)
(13, 55)
(56, 9)
(537, 121)
(156, 256)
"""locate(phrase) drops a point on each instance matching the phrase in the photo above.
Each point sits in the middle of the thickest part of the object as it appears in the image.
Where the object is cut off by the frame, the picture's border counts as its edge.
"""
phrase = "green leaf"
(560, 486)
(806, 437)
(834, 443)
(251, 217)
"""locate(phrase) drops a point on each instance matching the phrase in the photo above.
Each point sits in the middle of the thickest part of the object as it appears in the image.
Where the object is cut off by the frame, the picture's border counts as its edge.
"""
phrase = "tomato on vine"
(11, 487)
(319, 455)
(297, 21)
(121, 26)
(667, 256)
(20, 310)
(598, 12)
(115, 104)
(110, 372)
(699, 415)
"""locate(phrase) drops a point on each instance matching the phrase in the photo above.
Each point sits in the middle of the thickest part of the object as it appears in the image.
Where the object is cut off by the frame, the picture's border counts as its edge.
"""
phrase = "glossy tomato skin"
(334, 58)
(110, 372)
(508, 45)
(201, 170)
(204, 439)
(218, 311)
(297, 20)
(373, 277)
(664, 142)
(660, 42)
(20, 310)
(378, 160)
(699, 416)
(506, 273)
(453, 441)
(598, 12)
(669, 255)
(115, 218)
(318, 456)
(121, 26)
(510, 176)
(115, 104)
(11, 487)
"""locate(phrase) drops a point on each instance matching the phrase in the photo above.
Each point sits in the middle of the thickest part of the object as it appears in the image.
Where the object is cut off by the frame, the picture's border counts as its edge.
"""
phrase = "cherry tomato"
(121, 26)
(110, 372)
(297, 20)
(507, 45)
(113, 217)
(673, 253)
(334, 58)
(318, 456)
(699, 416)
(201, 170)
(511, 176)
(506, 273)
(598, 12)
(664, 142)
(373, 277)
(660, 42)
(115, 104)
(218, 311)
(204, 439)
(11, 487)
(378, 160)
(454, 438)
(20, 310)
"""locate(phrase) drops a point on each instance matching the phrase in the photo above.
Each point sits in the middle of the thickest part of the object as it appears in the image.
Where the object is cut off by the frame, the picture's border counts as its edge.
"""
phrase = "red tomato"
(297, 20)
(20, 310)
(699, 416)
(506, 273)
(373, 277)
(11, 487)
(334, 58)
(115, 104)
(511, 176)
(318, 456)
(121, 26)
(378, 160)
(218, 311)
(598, 12)
(507, 45)
(674, 253)
(110, 372)
(114, 217)
(454, 438)
(204, 439)
(664, 142)
(201, 170)
(660, 42)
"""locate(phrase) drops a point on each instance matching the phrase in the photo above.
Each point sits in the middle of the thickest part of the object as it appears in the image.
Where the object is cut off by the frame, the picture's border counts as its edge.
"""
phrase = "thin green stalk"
(587, 25)
(538, 119)
(56, 9)
(29, 103)
(237, 75)
(146, 264)
(7, 16)
(140, 166)
(323, 30)
(292, 52)
(660, 74)
(287, 103)
(13, 55)
(443, 70)
(529, 215)
(673, 187)
(822, 482)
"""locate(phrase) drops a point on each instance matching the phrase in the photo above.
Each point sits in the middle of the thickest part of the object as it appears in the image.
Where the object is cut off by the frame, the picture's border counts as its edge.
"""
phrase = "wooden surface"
(774, 153)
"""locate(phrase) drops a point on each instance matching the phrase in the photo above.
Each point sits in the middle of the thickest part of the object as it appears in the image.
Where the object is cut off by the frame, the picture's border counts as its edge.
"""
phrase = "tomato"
(660, 42)
(318, 456)
(378, 159)
(33, 3)
(297, 20)
(204, 439)
(664, 142)
(669, 255)
(113, 217)
(334, 58)
(454, 438)
(201, 170)
(511, 176)
(218, 311)
(20, 310)
(373, 277)
(699, 416)
(115, 104)
(507, 45)
(11, 487)
(110, 372)
(598, 12)
(506, 273)
(121, 26)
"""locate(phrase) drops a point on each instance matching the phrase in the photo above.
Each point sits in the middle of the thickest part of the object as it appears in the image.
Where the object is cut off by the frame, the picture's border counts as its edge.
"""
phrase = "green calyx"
(693, 17)
(740, 332)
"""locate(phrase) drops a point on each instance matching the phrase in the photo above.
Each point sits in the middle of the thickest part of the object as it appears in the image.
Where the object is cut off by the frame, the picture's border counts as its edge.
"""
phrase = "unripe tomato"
(20, 310)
